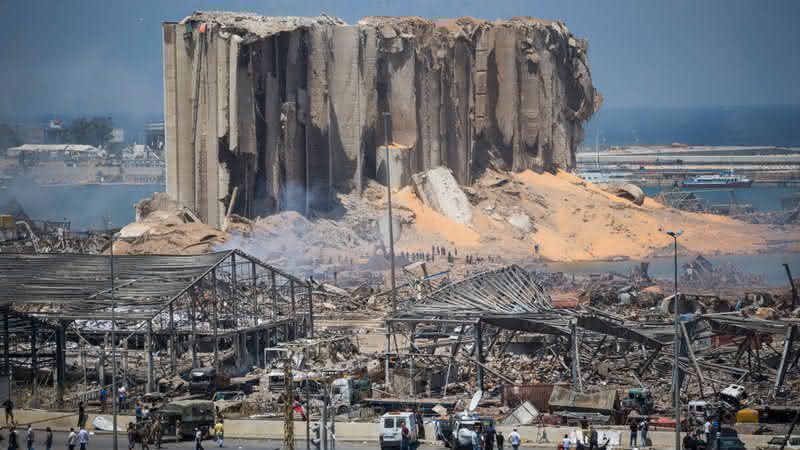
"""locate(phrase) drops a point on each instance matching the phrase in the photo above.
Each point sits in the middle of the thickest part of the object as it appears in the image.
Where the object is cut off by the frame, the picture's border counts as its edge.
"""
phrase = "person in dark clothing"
(488, 440)
(13, 441)
(688, 442)
(500, 439)
(81, 415)
(48, 440)
(634, 432)
(592, 439)
(584, 423)
(8, 405)
(420, 425)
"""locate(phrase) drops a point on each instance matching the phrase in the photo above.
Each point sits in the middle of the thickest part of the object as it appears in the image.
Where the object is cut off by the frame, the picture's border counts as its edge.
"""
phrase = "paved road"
(104, 442)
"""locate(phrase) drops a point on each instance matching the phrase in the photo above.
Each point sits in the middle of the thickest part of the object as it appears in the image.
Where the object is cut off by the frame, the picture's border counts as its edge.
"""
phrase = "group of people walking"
(80, 439)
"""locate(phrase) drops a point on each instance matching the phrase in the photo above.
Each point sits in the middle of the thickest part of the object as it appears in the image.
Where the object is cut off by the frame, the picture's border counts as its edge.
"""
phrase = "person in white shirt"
(83, 438)
(565, 443)
(515, 439)
(198, 439)
(707, 430)
(72, 439)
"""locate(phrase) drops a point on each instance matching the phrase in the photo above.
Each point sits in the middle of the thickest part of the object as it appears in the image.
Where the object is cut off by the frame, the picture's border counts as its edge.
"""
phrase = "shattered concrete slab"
(438, 189)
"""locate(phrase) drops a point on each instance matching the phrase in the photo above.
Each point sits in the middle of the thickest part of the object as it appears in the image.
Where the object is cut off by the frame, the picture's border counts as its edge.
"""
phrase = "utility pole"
(288, 408)
(676, 371)
(114, 392)
(386, 116)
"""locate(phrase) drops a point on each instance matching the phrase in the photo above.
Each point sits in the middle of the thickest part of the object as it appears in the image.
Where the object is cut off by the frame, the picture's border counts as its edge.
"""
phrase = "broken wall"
(289, 111)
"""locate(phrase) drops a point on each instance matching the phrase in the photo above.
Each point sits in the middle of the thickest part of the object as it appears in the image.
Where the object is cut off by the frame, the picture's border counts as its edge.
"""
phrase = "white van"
(391, 429)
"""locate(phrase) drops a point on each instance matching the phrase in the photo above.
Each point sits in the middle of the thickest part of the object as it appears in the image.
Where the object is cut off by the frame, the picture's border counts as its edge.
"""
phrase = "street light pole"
(115, 408)
(389, 197)
(676, 391)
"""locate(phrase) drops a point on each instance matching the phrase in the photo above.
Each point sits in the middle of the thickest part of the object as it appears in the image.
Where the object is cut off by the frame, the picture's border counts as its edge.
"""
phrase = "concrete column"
(317, 140)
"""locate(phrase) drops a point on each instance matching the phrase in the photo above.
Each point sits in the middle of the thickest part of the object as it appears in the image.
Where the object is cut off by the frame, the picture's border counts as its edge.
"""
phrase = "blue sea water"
(87, 207)
(770, 125)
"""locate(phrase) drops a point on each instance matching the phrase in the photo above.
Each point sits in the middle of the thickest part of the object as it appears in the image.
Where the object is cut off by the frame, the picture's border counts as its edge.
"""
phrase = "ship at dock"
(727, 179)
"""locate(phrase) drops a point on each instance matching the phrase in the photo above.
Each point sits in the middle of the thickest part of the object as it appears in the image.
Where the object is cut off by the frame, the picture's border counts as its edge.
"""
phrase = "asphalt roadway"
(104, 442)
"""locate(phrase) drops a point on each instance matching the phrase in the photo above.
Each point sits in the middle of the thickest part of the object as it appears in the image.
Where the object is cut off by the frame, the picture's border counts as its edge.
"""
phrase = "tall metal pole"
(115, 401)
(676, 390)
(389, 197)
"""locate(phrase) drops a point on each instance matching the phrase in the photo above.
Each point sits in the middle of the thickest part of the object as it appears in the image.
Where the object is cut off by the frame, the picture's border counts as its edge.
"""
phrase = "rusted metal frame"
(700, 379)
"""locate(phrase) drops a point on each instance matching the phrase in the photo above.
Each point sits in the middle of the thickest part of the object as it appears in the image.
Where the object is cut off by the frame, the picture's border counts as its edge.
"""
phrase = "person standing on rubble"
(634, 432)
(514, 439)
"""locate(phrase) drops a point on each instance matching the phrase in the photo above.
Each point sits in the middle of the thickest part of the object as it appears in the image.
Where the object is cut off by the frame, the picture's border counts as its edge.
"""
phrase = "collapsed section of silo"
(266, 114)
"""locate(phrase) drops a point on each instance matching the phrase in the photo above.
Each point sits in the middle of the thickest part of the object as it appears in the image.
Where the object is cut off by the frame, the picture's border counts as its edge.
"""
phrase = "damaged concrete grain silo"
(287, 111)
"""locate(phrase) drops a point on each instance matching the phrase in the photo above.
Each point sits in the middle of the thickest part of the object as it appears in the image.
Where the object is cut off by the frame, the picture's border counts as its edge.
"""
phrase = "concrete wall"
(291, 113)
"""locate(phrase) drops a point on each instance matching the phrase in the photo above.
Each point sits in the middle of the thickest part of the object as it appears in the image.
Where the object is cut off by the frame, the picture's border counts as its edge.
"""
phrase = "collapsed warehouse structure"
(266, 114)
(170, 311)
(469, 328)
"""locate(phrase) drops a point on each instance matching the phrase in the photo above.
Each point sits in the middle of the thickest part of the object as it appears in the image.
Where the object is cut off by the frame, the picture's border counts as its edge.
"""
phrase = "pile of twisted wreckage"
(499, 332)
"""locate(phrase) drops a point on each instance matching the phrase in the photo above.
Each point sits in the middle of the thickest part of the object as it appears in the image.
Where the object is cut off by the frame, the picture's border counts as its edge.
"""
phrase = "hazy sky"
(81, 56)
